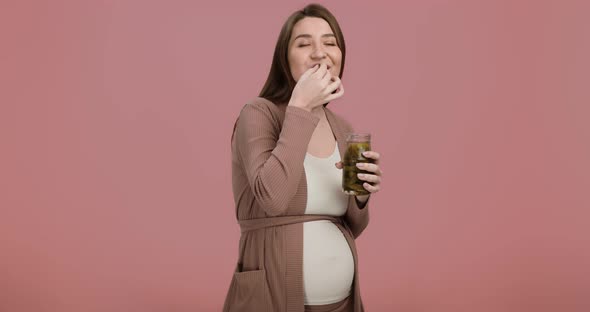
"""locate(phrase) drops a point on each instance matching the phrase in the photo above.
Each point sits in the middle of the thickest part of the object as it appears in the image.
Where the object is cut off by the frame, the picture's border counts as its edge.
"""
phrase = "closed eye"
(305, 45)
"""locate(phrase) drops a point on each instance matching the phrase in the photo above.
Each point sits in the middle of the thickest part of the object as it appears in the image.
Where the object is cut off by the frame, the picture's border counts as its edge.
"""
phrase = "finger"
(310, 71)
(334, 95)
(333, 86)
(371, 188)
(327, 77)
(369, 167)
(339, 165)
(340, 89)
(337, 94)
(375, 179)
(321, 72)
(372, 155)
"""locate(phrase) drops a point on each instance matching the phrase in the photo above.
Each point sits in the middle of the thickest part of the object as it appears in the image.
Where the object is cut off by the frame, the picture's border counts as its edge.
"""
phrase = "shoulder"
(264, 106)
(262, 112)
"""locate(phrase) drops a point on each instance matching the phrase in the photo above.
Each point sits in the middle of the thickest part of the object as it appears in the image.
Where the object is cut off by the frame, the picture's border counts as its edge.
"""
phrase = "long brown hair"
(280, 83)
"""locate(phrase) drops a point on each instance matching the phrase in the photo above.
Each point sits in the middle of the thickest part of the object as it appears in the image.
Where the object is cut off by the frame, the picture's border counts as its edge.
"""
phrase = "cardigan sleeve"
(272, 158)
(357, 218)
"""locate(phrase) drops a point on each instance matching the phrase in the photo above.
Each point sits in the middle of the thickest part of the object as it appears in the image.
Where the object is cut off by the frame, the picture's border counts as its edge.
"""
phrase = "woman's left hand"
(374, 177)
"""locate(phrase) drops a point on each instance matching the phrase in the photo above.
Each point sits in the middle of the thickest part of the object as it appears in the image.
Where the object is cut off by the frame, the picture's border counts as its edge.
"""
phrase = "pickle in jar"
(351, 184)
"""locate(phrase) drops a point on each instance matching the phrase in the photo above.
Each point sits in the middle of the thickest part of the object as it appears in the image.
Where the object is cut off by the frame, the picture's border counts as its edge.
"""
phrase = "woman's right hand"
(316, 87)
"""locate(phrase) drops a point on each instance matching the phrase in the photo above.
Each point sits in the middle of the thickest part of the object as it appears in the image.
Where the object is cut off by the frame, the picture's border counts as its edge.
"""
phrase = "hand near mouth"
(316, 87)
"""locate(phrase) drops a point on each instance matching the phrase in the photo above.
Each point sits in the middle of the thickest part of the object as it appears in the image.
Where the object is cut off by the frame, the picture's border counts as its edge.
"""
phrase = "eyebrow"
(309, 36)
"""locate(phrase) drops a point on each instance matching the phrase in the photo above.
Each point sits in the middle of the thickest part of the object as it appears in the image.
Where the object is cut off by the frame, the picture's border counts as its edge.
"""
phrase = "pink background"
(115, 121)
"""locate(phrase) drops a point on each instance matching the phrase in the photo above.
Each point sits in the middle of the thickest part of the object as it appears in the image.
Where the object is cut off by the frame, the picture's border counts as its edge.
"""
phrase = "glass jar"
(356, 144)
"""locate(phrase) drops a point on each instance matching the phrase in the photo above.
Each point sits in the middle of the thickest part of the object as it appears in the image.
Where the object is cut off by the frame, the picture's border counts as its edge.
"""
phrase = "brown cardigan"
(269, 144)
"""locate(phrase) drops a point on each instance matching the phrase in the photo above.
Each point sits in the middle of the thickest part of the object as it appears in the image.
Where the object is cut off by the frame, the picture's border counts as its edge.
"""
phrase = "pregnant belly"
(328, 263)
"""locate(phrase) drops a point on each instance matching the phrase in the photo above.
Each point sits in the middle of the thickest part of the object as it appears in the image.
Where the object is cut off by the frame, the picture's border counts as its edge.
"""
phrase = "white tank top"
(328, 264)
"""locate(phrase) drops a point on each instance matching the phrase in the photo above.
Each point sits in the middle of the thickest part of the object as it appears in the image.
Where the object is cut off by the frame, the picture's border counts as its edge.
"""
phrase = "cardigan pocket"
(248, 292)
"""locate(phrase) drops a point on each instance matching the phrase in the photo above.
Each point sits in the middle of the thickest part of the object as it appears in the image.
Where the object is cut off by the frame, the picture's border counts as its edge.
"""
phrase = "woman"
(297, 250)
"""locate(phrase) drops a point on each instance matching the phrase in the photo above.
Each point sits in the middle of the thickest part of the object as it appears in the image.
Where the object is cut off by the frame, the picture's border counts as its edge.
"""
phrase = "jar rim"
(364, 136)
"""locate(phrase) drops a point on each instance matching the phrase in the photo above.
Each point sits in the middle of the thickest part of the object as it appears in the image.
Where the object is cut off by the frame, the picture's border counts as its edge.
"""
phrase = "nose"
(318, 53)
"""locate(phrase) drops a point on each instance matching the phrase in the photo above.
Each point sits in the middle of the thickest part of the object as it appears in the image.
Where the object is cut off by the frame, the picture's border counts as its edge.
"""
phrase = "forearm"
(274, 162)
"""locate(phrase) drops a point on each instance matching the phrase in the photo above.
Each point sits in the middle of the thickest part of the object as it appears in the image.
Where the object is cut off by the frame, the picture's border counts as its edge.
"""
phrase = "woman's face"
(313, 42)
